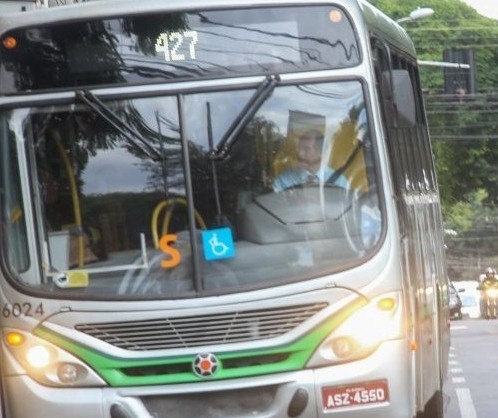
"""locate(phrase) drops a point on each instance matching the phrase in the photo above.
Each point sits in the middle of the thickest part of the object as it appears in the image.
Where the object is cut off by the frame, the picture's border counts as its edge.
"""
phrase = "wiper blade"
(262, 93)
(94, 103)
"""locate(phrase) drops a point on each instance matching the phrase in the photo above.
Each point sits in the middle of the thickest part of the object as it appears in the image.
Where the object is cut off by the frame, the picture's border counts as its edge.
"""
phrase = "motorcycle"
(491, 300)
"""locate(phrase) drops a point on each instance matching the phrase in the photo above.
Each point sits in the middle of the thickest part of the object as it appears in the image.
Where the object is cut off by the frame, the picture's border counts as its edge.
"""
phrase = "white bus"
(11, 6)
(168, 251)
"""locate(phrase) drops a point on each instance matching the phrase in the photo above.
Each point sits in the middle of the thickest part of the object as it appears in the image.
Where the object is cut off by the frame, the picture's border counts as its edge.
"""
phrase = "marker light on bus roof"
(335, 16)
(9, 42)
(362, 333)
(48, 364)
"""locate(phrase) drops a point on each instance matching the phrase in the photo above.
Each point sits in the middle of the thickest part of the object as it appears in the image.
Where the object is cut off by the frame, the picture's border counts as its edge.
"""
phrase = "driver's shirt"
(300, 176)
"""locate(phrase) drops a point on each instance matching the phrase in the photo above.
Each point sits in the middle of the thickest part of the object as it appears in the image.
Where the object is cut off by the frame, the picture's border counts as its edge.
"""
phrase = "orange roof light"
(9, 42)
(335, 16)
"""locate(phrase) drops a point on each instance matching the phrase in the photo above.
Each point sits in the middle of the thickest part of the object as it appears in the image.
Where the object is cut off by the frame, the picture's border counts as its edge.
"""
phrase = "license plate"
(364, 393)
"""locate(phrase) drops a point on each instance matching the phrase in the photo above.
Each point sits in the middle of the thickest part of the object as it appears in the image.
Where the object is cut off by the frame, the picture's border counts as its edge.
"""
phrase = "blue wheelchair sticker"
(218, 244)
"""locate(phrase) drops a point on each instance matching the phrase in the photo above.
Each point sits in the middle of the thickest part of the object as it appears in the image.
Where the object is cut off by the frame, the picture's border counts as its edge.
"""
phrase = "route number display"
(177, 46)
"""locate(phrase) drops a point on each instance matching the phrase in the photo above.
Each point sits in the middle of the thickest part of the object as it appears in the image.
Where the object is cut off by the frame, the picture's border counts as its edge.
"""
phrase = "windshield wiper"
(101, 109)
(262, 93)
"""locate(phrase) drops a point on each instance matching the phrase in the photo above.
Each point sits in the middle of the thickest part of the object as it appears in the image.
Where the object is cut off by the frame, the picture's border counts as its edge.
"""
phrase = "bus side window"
(403, 99)
(403, 118)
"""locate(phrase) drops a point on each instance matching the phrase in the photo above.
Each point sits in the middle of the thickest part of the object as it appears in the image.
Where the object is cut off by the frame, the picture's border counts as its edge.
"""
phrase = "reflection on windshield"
(120, 220)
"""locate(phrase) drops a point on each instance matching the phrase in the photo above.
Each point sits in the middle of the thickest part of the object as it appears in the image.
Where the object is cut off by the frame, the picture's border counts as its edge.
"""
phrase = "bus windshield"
(136, 200)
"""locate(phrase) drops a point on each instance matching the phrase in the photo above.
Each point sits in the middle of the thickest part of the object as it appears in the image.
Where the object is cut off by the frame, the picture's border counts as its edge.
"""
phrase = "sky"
(487, 8)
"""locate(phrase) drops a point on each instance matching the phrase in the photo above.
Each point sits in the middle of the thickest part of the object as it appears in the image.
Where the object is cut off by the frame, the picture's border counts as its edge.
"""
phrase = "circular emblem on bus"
(205, 365)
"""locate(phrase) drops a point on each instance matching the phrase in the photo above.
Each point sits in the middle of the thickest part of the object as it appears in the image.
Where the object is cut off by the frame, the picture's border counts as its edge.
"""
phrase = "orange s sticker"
(175, 255)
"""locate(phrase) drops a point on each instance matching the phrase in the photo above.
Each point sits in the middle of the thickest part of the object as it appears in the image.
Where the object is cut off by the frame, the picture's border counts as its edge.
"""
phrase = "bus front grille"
(196, 331)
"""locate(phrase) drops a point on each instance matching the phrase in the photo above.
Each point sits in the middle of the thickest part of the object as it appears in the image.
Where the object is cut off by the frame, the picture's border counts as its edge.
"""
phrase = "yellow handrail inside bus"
(167, 217)
(74, 196)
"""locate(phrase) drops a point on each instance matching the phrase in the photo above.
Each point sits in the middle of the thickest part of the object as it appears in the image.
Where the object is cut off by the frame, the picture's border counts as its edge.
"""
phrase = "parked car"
(470, 296)
(455, 303)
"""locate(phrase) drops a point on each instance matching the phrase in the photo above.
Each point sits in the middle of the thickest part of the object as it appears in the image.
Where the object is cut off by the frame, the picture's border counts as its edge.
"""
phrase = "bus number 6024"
(21, 309)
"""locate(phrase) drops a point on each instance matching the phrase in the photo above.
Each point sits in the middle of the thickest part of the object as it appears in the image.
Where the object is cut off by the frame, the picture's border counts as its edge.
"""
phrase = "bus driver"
(310, 168)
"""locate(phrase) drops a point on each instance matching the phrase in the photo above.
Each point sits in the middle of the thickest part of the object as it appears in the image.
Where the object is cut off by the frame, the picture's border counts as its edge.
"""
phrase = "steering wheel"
(362, 220)
(311, 184)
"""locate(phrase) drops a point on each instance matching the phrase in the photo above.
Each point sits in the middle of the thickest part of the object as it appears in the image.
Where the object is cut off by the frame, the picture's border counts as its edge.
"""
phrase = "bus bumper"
(378, 386)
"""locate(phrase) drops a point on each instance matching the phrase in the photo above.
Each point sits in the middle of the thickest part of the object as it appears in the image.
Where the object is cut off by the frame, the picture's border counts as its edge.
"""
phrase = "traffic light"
(459, 81)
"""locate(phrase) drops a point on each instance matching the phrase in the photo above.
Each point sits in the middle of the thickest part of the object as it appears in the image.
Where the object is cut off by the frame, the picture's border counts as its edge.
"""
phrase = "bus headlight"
(48, 364)
(362, 333)
(38, 356)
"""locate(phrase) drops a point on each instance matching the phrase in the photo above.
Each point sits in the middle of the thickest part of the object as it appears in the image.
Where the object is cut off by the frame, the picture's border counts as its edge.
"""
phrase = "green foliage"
(460, 216)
